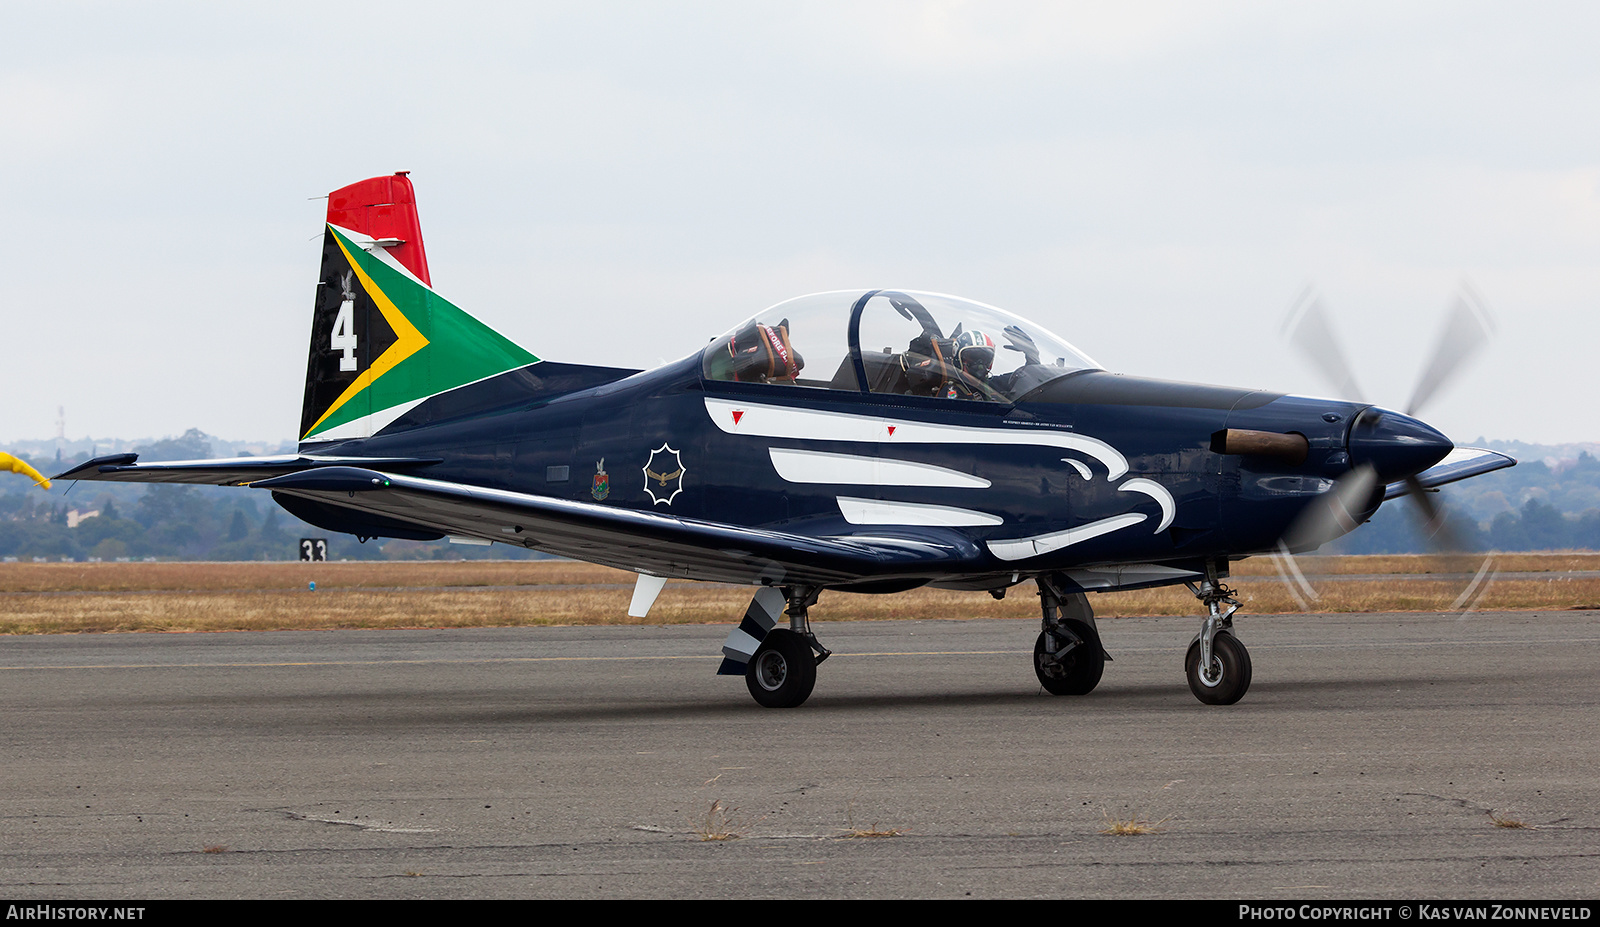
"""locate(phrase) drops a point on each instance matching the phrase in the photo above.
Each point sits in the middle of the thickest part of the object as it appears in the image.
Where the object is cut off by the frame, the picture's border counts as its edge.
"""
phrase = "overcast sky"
(616, 183)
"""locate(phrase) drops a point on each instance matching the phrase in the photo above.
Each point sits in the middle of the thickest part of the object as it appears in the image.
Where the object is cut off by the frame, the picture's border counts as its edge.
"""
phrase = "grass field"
(45, 598)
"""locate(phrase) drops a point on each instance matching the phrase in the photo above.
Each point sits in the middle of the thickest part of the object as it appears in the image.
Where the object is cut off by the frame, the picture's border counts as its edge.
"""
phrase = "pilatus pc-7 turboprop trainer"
(862, 441)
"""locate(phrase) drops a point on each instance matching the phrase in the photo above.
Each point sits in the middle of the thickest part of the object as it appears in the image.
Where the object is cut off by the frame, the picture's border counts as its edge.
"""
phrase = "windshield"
(901, 341)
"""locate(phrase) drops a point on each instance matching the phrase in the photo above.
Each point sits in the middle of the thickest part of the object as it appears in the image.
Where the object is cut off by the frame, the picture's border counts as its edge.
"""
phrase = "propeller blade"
(1466, 329)
(1452, 547)
(1289, 569)
(1336, 512)
(1434, 525)
(1309, 329)
(1473, 594)
(1331, 515)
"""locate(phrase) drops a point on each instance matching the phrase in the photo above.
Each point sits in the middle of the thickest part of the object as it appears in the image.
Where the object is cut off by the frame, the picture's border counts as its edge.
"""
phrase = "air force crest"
(663, 475)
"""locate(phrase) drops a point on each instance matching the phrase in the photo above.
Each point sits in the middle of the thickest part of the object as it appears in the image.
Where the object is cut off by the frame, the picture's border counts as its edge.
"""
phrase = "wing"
(641, 541)
(228, 471)
(1459, 464)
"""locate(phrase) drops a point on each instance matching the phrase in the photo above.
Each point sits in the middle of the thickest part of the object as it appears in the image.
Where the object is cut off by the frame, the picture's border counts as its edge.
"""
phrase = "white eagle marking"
(806, 466)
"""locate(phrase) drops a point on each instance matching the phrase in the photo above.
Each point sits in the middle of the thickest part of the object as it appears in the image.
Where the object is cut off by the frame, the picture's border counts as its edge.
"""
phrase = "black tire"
(1076, 673)
(783, 671)
(1234, 661)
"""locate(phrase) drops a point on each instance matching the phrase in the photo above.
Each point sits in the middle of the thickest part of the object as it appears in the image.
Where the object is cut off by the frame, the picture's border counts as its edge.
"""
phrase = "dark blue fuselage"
(593, 442)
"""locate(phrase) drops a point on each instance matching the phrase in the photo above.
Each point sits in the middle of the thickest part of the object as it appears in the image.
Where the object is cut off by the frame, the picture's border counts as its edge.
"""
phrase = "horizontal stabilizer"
(227, 471)
(663, 545)
(1459, 464)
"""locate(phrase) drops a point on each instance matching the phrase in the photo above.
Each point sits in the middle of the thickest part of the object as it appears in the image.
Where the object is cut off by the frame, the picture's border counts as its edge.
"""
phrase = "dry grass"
(277, 577)
(1501, 820)
(1329, 565)
(720, 823)
(40, 598)
(1131, 827)
(866, 833)
(874, 831)
(1264, 596)
(215, 849)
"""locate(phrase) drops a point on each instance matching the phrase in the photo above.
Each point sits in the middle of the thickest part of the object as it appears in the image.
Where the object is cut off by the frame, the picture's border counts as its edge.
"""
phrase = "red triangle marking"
(891, 431)
(737, 414)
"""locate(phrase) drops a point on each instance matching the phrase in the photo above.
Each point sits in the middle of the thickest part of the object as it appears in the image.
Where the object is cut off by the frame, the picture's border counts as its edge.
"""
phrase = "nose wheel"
(1226, 679)
(1218, 666)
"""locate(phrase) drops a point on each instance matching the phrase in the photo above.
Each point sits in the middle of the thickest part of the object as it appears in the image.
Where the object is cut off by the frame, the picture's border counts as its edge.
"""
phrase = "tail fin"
(382, 340)
(384, 208)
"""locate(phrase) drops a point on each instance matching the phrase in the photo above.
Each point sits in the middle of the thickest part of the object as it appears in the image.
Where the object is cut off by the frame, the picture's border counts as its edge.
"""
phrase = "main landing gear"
(1217, 665)
(1067, 657)
(779, 665)
(783, 669)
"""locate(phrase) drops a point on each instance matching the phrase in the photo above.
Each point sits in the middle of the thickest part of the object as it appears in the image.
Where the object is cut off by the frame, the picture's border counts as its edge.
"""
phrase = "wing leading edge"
(1461, 463)
(225, 471)
(647, 542)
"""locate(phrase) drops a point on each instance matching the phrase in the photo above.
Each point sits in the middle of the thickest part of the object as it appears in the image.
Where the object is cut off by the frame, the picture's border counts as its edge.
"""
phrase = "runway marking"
(1507, 576)
(361, 662)
(630, 659)
(1375, 645)
(933, 653)
(869, 653)
(297, 591)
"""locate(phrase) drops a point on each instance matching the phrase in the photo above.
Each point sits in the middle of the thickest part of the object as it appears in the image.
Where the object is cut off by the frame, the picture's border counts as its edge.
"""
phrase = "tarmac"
(1375, 757)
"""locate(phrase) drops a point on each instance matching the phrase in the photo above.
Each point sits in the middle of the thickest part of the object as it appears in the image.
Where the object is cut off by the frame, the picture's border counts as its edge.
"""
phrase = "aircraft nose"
(1395, 445)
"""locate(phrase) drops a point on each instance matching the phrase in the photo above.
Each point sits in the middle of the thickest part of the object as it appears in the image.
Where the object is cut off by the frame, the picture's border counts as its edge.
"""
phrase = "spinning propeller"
(1385, 447)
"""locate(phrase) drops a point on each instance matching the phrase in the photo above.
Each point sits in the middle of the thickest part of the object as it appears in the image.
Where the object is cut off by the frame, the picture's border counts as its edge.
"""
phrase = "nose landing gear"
(1218, 666)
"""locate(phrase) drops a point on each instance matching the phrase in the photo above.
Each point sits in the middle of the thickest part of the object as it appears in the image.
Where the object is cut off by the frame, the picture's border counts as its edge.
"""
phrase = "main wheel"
(1229, 678)
(1077, 671)
(783, 671)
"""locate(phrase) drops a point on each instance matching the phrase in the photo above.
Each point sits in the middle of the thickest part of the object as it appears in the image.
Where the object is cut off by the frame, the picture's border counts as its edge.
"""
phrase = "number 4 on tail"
(344, 334)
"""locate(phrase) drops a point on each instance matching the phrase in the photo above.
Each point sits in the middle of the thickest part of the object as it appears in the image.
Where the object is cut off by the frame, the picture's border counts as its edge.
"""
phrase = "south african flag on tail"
(382, 341)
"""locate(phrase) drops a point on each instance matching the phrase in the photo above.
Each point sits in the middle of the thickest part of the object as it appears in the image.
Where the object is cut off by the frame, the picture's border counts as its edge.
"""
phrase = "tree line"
(1532, 506)
(167, 521)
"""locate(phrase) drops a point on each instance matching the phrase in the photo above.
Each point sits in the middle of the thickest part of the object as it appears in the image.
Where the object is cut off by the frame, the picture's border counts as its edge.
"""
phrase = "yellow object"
(7, 462)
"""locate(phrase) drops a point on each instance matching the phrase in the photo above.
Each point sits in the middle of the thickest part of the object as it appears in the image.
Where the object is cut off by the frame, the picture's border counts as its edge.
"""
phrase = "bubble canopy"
(893, 342)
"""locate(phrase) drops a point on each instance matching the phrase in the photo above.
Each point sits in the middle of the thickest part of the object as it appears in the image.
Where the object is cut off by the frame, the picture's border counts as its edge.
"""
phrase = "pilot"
(974, 357)
(949, 368)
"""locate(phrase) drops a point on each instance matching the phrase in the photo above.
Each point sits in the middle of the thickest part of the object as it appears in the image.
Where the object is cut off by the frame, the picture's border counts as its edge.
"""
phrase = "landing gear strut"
(1067, 657)
(783, 670)
(1218, 666)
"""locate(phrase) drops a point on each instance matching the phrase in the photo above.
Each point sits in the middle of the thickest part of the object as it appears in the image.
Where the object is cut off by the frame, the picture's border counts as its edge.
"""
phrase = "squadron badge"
(663, 475)
(602, 482)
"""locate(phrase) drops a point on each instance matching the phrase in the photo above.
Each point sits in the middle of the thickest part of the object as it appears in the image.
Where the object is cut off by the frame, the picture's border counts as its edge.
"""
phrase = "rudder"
(384, 208)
